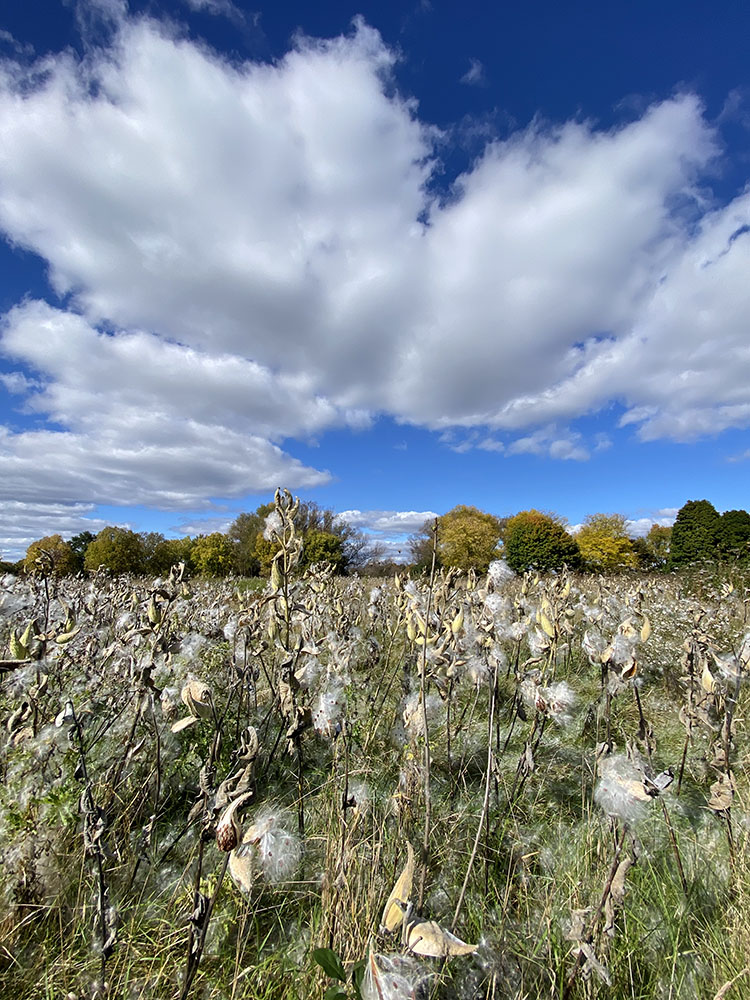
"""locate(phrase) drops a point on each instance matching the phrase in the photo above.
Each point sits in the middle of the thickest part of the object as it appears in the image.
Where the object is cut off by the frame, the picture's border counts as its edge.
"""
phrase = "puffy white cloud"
(389, 529)
(548, 441)
(639, 527)
(251, 253)
(23, 522)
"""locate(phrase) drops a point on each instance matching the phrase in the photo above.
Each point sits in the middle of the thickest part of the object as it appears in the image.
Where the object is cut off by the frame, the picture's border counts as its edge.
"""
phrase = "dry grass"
(107, 841)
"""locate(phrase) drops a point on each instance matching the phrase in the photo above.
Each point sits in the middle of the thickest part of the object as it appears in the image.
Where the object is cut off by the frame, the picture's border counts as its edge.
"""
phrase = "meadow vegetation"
(459, 784)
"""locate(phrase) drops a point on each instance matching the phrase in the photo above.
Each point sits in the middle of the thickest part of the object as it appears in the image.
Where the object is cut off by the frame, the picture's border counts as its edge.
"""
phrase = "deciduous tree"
(534, 540)
(212, 555)
(322, 546)
(653, 550)
(604, 543)
(50, 555)
(117, 549)
(468, 538)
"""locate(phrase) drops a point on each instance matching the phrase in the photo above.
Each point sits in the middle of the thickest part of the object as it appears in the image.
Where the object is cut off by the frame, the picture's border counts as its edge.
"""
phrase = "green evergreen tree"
(79, 543)
(733, 535)
(694, 534)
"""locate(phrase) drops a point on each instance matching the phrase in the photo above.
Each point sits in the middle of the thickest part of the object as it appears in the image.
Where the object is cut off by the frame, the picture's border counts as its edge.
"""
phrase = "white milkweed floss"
(268, 848)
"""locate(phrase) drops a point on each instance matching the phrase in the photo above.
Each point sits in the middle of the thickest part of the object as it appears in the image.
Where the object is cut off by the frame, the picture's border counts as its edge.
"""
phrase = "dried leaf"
(592, 963)
(722, 793)
(577, 929)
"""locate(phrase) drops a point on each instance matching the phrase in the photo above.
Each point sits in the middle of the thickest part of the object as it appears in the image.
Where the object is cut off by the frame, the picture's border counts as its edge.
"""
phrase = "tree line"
(243, 550)
(469, 538)
(464, 537)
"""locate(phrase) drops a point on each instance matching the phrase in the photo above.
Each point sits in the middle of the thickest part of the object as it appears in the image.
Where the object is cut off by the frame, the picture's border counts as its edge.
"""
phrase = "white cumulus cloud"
(246, 254)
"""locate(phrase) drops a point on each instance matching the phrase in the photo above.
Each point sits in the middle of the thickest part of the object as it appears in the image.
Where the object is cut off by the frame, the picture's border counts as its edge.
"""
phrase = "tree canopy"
(732, 535)
(694, 534)
(653, 550)
(117, 549)
(50, 555)
(212, 555)
(534, 540)
(468, 538)
(604, 543)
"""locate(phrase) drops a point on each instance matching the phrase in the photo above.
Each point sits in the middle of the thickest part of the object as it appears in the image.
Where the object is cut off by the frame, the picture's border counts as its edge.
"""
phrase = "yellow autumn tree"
(468, 537)
(50, 555)
(604, 543)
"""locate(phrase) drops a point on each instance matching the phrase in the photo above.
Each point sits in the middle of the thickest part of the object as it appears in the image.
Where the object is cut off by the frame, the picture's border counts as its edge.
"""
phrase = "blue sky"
(395, 257)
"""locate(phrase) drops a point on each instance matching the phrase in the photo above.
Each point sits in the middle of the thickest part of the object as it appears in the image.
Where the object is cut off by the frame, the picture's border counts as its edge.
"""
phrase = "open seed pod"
(426, 937)
(197, 697)
(398, 901)
(228, 829)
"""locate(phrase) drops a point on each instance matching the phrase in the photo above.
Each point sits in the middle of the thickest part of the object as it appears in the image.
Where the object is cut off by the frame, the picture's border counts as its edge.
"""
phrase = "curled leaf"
(722, 793)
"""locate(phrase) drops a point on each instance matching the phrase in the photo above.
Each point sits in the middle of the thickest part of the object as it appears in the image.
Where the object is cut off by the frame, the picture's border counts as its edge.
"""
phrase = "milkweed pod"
(66, 636)
(458, 621)
(629, 671)
(393, 912)
(275, 574)
(410, 629)
(242, 869)
(17, 648)
(429, 939)
(426, 640)
(547, 626)
(29, 632)
(187, 720)
(228, 830)
(197, 698)
(645, 629)
(708, 681)
(154, 611)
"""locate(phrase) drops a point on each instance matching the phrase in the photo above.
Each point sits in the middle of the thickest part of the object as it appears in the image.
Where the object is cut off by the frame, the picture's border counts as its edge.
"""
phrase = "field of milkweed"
(448, 786)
